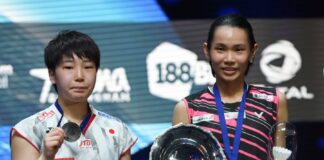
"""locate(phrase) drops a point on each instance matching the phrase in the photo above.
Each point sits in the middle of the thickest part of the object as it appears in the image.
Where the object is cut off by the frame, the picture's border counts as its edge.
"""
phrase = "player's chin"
(80, 97)
(230, 77)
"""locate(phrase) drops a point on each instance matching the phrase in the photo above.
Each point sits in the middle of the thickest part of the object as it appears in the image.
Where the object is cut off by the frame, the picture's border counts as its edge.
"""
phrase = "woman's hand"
(52, 142)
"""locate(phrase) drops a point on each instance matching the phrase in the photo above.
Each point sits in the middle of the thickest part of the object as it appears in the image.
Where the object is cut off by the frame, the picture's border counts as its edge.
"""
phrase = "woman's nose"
(79, 75)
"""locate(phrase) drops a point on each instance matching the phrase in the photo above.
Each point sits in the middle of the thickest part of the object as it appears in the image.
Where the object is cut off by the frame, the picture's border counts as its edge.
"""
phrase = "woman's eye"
(219, 48)
(68, 67)
(239, 49)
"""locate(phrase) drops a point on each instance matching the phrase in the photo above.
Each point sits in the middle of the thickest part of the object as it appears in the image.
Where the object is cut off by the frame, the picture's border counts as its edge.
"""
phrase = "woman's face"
(75, 78)
(230, 53)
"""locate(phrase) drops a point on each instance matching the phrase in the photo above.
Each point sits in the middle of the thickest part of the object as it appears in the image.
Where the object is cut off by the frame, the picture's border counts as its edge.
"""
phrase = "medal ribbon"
(83, 123)
(232, 154)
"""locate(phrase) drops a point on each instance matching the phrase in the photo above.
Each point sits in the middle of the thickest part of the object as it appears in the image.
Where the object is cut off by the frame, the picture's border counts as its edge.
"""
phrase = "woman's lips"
(79, 89)
(229, 70)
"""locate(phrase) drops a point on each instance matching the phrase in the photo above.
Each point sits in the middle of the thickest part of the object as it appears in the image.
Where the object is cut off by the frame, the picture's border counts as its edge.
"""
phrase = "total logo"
(172, 70)
(112, 86)
(280, 62)
(291, 62)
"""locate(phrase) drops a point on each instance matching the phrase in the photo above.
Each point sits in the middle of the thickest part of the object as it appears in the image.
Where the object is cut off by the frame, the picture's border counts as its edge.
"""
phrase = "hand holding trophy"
(283, 142)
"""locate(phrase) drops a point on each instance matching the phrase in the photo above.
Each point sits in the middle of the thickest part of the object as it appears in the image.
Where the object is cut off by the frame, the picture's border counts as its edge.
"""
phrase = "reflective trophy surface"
(283, 142)
(186, 142)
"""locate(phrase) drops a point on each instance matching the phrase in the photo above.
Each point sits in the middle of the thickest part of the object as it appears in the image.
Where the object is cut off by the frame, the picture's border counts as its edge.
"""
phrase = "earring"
(251, 61)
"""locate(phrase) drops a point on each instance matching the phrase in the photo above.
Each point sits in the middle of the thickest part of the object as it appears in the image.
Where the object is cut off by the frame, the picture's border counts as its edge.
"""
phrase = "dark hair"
(233, 20)
(67, 43)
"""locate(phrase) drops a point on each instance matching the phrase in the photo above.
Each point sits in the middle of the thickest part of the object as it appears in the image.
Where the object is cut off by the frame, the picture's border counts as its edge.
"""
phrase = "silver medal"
(72, 131)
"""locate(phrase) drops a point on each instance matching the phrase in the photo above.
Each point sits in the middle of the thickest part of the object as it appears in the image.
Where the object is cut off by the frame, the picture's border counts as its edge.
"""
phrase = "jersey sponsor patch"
(108, 116)
(205, 117)
(85, 144)
(232, 115)
(269, 98)
(44, 115)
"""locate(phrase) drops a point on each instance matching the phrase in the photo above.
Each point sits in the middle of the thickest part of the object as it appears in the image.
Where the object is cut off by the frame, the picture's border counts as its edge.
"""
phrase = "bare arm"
(180, 114)
(21, 149)
(283, 108)
(282, 116)
(126, 156)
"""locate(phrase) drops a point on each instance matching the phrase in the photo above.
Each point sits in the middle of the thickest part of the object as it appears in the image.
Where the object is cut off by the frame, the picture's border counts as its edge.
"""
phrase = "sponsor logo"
(288, 62)
(111, 86)
(108, 116)
(297, 92)
(84, 144)
(293, 92)
(232, 115)
(280, 62)
(169, 71)
(46, 95)
(5, 72)
(205, 117)
(263, 96)
(259, 115)
(172, 70)
(43, 116)
(203, 74)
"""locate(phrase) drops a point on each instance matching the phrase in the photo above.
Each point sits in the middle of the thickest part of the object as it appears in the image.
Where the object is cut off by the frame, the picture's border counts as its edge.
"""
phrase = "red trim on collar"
(93, 116)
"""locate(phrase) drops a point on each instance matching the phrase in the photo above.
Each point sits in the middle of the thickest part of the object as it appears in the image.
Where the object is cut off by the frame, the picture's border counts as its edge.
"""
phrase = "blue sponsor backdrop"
(149, 62)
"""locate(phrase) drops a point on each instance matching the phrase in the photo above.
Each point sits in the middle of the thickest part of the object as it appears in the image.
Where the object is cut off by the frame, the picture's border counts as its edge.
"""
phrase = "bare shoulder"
(21, 148)
(180, 114)
(180, 106)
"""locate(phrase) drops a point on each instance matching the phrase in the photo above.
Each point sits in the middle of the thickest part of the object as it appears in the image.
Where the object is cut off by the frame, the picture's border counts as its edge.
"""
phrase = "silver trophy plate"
(186, 142)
